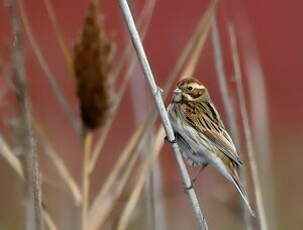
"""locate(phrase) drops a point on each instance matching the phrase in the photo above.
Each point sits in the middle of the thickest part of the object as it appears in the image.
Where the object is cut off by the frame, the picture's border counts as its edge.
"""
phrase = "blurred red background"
(274, 29)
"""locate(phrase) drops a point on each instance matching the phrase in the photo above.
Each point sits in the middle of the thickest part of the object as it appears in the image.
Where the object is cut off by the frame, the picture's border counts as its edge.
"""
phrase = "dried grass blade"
(49, 221)
(143, 172)
(199, 36)
(64, 173)
(247, 132)
(48, 74)
(111, 190)
(66, 52)
(59, 164)
(12, 160)
(87, 141)
(29, 158)
(203, 30)
(223, 86)
(143, 24)
(230, 112)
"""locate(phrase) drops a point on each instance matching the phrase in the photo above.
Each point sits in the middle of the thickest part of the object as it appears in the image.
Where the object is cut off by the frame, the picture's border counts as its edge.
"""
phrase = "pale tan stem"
(87, 141)
(248, 135)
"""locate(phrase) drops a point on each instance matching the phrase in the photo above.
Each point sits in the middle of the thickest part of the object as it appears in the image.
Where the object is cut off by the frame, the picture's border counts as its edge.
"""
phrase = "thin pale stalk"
(139, 107)
(160, 217)
(66, 52)
(48, 73)
(229, 108)
(12, 160)
(29, 156)
(143, 172)
(49, 222)
(201, 29)
(259, 114)
(248, 134)
(112, 189)
(87, 141)
(58, 162)
(143, 23)
(156, 92)
(225, 95)
(147, 10)
(16, 165)
(206, 22)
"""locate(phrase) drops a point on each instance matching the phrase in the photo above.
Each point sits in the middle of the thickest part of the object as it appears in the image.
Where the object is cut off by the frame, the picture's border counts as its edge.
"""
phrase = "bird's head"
(190, 89)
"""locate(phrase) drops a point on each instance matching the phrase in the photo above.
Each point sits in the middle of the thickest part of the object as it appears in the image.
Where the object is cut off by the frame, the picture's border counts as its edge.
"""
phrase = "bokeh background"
(270, 43)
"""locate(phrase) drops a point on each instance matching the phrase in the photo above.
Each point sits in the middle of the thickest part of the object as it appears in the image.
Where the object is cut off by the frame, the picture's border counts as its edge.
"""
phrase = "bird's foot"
(191, 186)
(172, 142)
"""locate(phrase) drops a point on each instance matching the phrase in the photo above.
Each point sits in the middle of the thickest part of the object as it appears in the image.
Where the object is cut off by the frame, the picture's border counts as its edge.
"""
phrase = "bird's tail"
(241, 190)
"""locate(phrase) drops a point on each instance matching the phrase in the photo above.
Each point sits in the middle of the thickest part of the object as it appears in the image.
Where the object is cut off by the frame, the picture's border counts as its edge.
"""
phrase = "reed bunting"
(200, 133)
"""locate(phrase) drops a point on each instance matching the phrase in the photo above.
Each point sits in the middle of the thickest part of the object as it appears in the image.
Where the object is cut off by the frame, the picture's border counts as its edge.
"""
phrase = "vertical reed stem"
(29, 157)
(87, 141)
(229, 108)
(248, 135)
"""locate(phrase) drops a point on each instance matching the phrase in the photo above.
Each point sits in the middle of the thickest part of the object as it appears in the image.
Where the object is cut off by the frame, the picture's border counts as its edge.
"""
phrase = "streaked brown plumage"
(200, 132)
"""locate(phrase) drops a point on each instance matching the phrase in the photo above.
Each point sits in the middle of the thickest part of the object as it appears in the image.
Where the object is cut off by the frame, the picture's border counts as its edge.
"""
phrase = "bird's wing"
(205, 119)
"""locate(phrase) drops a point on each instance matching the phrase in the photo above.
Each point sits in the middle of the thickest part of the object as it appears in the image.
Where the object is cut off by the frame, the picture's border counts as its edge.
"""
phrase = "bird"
(201, 135)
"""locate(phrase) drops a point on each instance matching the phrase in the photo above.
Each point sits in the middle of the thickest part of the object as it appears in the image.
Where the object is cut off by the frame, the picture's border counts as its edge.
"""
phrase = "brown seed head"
(92, 67)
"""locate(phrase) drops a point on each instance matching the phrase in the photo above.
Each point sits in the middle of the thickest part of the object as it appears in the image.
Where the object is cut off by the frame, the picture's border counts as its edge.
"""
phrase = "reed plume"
(91, 68)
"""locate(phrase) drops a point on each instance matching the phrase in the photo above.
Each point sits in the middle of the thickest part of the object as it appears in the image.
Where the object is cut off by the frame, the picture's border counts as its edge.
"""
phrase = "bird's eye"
(190, 88)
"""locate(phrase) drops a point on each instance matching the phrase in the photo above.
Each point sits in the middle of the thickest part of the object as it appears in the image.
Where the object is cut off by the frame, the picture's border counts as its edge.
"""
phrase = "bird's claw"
(170, 141)
(189, 187)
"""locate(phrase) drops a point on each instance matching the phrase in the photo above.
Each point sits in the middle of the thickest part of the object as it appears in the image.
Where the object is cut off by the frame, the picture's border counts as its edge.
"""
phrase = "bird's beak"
(177, 90)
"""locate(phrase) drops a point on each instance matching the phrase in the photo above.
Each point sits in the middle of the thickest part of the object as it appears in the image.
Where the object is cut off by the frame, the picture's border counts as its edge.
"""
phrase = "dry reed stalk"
(29, 157)
(139, 107)
(87, 141)
(63, 173)
(49, 222)
(12, 160)
(247, 132)
(58, 162)
(259, 109)
(66, 52)
(15, 163)
(135, 195)
(143, 24)
(200, 29)
(43, 64)
(158, 199)
(222, 79)
(230, 112)
(200, 38)
(156, 92)
(147, 13)
(111, 190)
(206, 22)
